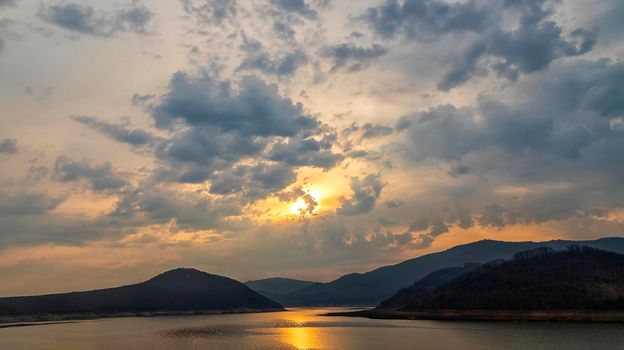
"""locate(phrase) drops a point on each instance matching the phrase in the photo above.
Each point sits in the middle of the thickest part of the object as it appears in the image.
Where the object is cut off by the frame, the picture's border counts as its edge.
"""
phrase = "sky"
(299, 138)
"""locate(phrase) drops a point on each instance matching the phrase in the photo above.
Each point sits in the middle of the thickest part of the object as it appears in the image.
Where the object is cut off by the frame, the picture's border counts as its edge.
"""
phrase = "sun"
(308, 203)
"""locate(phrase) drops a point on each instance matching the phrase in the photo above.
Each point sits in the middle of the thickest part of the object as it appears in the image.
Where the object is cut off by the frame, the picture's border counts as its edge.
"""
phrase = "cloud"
(133, 17)
(211, 12)
(283, 65)
(155, 204)
(531, 45)
(370, 130)
(424, 231)
(255, 109)
(8, 146)
(542, 150)
(243, 138)
(555, 114)
(119, 132)
(304, 152)
(299, 7)
(393, 204)
(425, 19)
(366, 191)
(284, 30)
(6, 3)
(27, 203)
(351, 57)
(525, 50)
(5, 31)
(101, 177)
(273, 177)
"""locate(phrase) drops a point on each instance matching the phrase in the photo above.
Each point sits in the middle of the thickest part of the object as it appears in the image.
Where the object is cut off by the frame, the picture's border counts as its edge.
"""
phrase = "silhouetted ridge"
(540, 279)
(372, 287)
(180, 289)
(277, 286)
(422, 288)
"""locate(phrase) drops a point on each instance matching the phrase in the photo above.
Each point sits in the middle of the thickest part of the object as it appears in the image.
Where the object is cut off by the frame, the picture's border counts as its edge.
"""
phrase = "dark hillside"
(542, 279)
(174, 290)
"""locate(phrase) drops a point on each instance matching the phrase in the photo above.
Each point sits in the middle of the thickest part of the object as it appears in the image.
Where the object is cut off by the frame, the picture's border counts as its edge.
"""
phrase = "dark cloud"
(426, 19)
(525, 50)
(402, 124)
(27, 203)
(370, 130)
(101, 177)
(119, 132)
(199, 153)
(141, 100)
(282, 65)
(284, 30)
(255, 109)
(351, 57)
(211, 12)
(366, 191)
(83, 19)
(299, 7)
(304, 152)
(531, 46)
(150, 204)
(229, 182)
(492, 216)
(393, 204)
(432, 229)
(556, 114)
(546, 149)
(6, 3)
(244, 139)
(273, 176)
(8, 146)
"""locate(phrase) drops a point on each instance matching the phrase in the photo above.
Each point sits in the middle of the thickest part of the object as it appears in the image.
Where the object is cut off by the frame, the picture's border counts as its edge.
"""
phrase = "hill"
(269, 287)
(580, 278)
(421, 289)
(372, 287)
(178, 290)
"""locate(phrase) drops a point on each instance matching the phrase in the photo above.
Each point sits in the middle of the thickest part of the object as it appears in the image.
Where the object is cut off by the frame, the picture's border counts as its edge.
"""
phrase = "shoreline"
(7, 321)
(591, 316)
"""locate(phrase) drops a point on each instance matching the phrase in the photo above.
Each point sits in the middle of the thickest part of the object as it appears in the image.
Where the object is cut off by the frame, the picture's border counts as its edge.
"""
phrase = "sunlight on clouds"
(309, 203)
(325, 188)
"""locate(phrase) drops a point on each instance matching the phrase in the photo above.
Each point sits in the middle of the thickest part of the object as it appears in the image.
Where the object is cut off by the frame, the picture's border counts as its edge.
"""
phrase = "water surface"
(304, 329)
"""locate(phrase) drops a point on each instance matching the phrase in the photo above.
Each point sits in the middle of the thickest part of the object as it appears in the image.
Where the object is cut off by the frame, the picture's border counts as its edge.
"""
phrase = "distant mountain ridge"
(580, 278)
(372, 287)
(177, 290)
(270, 287)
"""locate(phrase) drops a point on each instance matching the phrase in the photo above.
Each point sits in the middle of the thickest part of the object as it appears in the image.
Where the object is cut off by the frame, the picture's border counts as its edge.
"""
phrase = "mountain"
(270, 287)
(425, 286)
(176, 290)
(372, 287)
(580, 278)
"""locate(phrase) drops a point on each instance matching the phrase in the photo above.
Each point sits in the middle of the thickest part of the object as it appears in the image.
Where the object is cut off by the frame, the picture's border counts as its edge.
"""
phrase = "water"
(304, 329)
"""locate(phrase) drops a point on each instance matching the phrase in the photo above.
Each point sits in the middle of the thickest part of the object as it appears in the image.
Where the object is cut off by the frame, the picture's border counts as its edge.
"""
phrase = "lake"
(305, 329)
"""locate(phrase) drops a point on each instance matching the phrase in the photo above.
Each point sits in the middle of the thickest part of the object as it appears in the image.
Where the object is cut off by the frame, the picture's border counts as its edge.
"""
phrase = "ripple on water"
(238, 330)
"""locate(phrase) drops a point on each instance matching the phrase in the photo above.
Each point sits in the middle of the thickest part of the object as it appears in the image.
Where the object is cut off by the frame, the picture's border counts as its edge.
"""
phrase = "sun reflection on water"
(298, 334)
(301, 338)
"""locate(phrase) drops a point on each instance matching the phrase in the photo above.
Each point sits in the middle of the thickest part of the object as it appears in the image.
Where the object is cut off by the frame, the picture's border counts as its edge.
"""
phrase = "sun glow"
(308, 203)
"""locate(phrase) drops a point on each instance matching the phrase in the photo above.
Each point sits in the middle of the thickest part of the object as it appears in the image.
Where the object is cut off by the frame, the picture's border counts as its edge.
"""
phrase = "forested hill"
(172, 291)
(540, 279)
(372, 287)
